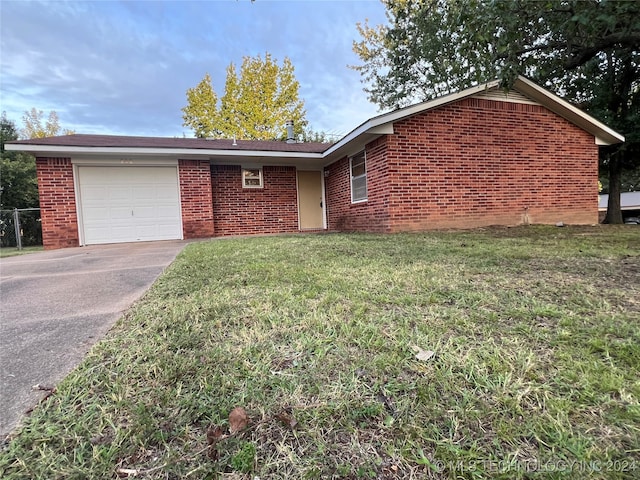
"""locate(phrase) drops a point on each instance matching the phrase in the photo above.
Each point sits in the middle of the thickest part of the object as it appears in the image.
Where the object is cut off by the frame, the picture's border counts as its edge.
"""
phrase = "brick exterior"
(244, 211)
(195, 196)
(57, 203)
(370, 216)
(472, 163)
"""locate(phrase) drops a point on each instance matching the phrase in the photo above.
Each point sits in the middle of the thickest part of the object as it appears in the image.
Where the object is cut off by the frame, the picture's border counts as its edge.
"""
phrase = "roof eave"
(603, 134)
(162, 152)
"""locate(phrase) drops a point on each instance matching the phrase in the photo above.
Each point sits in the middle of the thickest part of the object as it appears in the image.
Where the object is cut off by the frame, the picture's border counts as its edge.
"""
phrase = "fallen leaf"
(287, 419)
(44, 388)
(422, 355)
(238, 420)
(212, 453)
(214, 434)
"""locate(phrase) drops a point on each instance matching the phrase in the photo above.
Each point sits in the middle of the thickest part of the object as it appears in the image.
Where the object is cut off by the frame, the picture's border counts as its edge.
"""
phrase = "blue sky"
(124, 67)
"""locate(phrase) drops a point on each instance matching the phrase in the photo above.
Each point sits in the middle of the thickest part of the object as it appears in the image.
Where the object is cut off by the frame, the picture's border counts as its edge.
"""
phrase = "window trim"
(244, 177)
(362, 153)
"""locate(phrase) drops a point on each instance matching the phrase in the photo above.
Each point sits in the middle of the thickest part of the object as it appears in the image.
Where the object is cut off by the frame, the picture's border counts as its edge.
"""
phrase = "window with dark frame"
(358, 169)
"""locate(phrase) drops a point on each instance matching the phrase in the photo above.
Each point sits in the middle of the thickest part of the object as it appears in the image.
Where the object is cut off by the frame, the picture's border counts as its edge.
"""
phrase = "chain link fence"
(20, 227)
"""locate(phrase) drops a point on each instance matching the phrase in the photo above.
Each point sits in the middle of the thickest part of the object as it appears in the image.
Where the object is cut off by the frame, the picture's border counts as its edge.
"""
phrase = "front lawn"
(495, 353)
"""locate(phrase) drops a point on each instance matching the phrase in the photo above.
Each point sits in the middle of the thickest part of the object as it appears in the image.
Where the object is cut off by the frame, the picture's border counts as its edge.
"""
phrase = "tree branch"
(582, 54)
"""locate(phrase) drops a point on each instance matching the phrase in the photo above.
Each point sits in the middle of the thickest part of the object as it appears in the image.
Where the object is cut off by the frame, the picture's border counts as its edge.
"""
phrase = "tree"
(201, 112)
(255, 106)
(35, 128)
(18, 183)
(587, 50)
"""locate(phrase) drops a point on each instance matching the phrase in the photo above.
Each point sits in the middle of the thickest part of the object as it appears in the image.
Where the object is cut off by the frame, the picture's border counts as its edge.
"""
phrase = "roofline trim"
(159, 151)
(603, 134)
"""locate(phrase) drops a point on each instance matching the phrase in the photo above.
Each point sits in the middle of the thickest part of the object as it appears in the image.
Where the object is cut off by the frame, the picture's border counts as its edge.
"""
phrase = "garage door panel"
(143, 213)
(169, 211)
(120, 194)
(119, 213)
(147, 193)
(98, 194)
(96, 211)
(128, 204)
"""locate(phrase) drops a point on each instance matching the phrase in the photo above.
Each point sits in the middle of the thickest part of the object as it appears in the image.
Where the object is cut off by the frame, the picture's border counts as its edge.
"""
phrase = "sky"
(123, 67)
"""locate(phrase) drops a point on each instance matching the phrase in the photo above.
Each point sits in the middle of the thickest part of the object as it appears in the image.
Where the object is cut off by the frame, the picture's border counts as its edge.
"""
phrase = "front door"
(310, 206)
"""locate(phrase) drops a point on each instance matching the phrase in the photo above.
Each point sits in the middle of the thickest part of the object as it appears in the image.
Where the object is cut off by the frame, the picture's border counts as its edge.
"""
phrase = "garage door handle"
(132, 213)
(320, 203)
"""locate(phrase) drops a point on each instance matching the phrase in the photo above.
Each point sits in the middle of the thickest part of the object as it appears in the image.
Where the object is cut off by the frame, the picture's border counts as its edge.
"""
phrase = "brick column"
(195, 196)
(57, 203)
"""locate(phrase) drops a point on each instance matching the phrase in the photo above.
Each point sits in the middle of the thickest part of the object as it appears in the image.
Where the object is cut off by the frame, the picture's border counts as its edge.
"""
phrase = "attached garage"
(128, 203)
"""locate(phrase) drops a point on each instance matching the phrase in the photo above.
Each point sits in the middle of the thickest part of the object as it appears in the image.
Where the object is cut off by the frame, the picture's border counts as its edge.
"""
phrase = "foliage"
(18, 183)
(201, 112)
(630, 181)
(256, 103)
(586, 50)
(243, 460)
(532, 365)
(310, 135)
(35, 126)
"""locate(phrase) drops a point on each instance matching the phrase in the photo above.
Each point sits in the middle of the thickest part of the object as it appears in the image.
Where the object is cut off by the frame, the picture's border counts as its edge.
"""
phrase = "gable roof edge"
(395, 115)
(603, 134)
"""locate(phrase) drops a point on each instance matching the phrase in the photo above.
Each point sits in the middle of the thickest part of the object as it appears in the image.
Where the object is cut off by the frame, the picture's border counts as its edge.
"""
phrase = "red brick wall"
(370, 216)
(473, 163)
(482, 162)
(244, 211)
(195, 196)
(57, 203)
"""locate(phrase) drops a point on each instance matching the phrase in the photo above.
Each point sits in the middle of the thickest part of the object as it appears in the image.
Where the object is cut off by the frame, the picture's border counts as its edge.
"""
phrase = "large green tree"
(18, 183)
(586, 50)
(255, 105)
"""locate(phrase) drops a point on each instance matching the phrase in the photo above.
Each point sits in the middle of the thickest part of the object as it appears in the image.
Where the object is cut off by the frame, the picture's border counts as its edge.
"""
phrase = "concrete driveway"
(56, 304)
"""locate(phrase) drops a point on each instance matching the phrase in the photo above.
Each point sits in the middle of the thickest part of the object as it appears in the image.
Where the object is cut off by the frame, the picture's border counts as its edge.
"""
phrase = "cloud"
(124, 68)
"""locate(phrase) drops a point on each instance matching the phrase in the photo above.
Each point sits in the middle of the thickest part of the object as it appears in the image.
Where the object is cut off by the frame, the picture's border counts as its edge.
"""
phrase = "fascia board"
(167, 152)
(133, 161)
(603, 134)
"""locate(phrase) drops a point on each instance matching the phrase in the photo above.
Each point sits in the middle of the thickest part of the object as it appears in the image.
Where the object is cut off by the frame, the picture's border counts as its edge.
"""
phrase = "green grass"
(536, 372)
(13, 251)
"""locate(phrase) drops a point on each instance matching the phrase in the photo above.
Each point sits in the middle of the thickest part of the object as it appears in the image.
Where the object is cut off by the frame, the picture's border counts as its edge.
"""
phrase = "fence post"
(16, 224)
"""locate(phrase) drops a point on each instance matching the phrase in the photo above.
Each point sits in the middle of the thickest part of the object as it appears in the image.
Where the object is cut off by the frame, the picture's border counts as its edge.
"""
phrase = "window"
(251, 178)
(358, 178)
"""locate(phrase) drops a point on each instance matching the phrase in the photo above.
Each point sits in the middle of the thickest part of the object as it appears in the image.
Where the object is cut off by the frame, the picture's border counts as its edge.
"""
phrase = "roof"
(97, 141)
(628, 201)
(319, 153)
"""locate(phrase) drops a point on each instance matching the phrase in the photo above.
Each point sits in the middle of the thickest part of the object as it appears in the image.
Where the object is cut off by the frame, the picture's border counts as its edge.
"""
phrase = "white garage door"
(129, 204)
